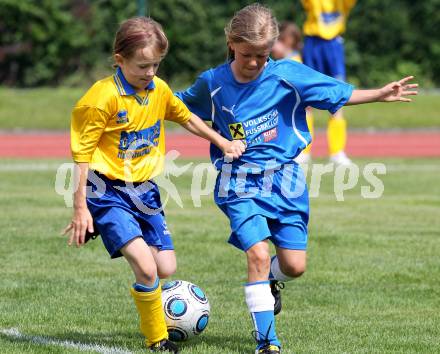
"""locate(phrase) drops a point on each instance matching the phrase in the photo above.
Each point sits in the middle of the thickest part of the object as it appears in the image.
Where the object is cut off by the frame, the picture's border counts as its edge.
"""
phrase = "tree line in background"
(69, 42)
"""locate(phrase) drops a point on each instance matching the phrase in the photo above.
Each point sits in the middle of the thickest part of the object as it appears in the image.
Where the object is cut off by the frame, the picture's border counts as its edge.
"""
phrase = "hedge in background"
(50, 42)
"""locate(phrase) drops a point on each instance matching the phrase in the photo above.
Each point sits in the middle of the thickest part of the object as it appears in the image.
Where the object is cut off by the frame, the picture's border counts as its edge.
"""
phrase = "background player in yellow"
(118, 145)
(324, 52)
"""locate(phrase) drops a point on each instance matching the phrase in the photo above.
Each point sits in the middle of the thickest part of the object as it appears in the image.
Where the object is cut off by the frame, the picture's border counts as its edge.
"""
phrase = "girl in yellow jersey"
(118, 145)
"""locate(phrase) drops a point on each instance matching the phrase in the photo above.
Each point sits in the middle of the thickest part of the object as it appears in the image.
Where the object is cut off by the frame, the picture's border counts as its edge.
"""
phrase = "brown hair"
(139, 32)
(291, 30)
(254, 24)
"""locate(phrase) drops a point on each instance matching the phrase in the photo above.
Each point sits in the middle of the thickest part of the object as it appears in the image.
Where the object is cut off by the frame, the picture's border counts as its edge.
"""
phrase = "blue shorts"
(121, 213)
(280, 215)
(325, 56)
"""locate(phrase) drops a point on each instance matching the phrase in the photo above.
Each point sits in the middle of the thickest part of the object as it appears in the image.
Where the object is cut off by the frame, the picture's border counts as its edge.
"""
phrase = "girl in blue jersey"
(118, 145)
(263, 193)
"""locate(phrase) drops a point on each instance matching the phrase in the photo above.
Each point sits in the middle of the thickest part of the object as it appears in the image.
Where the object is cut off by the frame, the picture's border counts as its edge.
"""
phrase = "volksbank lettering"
(252, 122)
(262, 123)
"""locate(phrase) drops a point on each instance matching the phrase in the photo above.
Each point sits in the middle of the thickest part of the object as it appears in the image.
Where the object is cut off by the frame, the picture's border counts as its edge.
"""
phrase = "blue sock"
(260, 304)
(264, 323)
(146, 289)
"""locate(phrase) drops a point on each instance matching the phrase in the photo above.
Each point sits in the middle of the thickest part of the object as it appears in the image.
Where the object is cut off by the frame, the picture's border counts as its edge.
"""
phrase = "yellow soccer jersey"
(326, 18)
(121, 132)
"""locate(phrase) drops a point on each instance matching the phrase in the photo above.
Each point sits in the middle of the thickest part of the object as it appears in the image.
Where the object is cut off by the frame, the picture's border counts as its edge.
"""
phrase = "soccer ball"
(186, 309)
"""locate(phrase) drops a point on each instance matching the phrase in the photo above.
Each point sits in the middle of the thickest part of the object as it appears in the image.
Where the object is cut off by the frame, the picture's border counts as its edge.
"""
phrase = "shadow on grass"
(226, 342)
(133, 341)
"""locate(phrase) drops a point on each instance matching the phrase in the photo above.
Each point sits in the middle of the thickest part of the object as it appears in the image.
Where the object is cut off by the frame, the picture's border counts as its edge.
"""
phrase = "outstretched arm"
(396, 91)
(231, 149)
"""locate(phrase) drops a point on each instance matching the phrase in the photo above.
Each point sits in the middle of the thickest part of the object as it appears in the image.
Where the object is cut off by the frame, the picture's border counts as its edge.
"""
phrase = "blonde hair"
(254, 24)
(139, 32)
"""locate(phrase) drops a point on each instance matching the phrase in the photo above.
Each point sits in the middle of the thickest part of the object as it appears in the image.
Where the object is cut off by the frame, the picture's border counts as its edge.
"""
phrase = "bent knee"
(166, 264)
(293, 270)
(259, 257)
(146, 276)
(165, 271)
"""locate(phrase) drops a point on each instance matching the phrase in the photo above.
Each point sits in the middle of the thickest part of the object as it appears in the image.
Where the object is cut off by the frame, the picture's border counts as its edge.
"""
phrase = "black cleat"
(164, 345)
(269, 349)
(276, 287)
(91, 235)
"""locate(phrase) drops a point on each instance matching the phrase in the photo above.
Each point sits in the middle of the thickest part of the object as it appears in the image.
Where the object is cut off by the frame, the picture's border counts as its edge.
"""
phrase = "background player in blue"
(263, 193)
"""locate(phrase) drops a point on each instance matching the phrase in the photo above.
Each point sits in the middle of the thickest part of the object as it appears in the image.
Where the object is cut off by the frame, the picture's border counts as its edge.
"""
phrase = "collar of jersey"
(124, 88)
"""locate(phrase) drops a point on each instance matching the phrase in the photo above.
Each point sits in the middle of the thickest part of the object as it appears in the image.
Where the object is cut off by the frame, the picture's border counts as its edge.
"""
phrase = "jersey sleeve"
(317, 90)
(87, 125)
(198, 98)
(176, 111)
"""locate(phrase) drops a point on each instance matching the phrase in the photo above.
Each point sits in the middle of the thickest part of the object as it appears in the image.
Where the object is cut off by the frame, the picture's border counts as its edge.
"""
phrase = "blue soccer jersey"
(267, 113)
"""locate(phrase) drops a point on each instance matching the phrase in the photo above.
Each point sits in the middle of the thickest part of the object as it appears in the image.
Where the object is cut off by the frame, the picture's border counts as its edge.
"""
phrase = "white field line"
(16, 334)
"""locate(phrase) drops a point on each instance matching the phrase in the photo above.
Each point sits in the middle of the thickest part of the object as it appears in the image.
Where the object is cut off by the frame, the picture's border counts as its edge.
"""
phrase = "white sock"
(258, 297)
(275, 271)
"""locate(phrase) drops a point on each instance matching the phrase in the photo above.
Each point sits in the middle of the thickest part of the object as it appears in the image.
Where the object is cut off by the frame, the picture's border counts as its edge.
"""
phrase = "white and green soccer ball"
(186, 309)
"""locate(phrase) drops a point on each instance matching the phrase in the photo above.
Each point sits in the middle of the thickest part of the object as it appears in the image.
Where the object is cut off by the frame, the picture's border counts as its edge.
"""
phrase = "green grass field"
(372, 284)
(49, 109)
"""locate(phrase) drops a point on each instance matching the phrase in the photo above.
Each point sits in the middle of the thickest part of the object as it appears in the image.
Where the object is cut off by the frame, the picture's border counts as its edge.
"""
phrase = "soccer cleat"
(91, 235)
(276, 287)
(164, 345)
(340, 159)
(269, 349)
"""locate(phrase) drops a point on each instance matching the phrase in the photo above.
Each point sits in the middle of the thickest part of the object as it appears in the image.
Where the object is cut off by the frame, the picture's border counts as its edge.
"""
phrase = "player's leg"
(165, 261)
(290, 240)
(157, 235)
(337, 133)
(153, 253)
(337, 139)
(305, 156)
(249, 233)
(337, 125)
(288, 264)
(259, 299)
(115, 215)
(313, 56)
(258, 262)
(285, 266)
(146, 291)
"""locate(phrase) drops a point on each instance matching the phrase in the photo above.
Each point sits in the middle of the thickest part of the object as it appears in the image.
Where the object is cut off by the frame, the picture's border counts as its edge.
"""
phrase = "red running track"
(383, 144)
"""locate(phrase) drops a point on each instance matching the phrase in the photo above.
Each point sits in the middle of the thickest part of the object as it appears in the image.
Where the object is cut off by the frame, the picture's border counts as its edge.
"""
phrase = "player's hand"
(82, 221)
(233, 149)
(398, 90)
